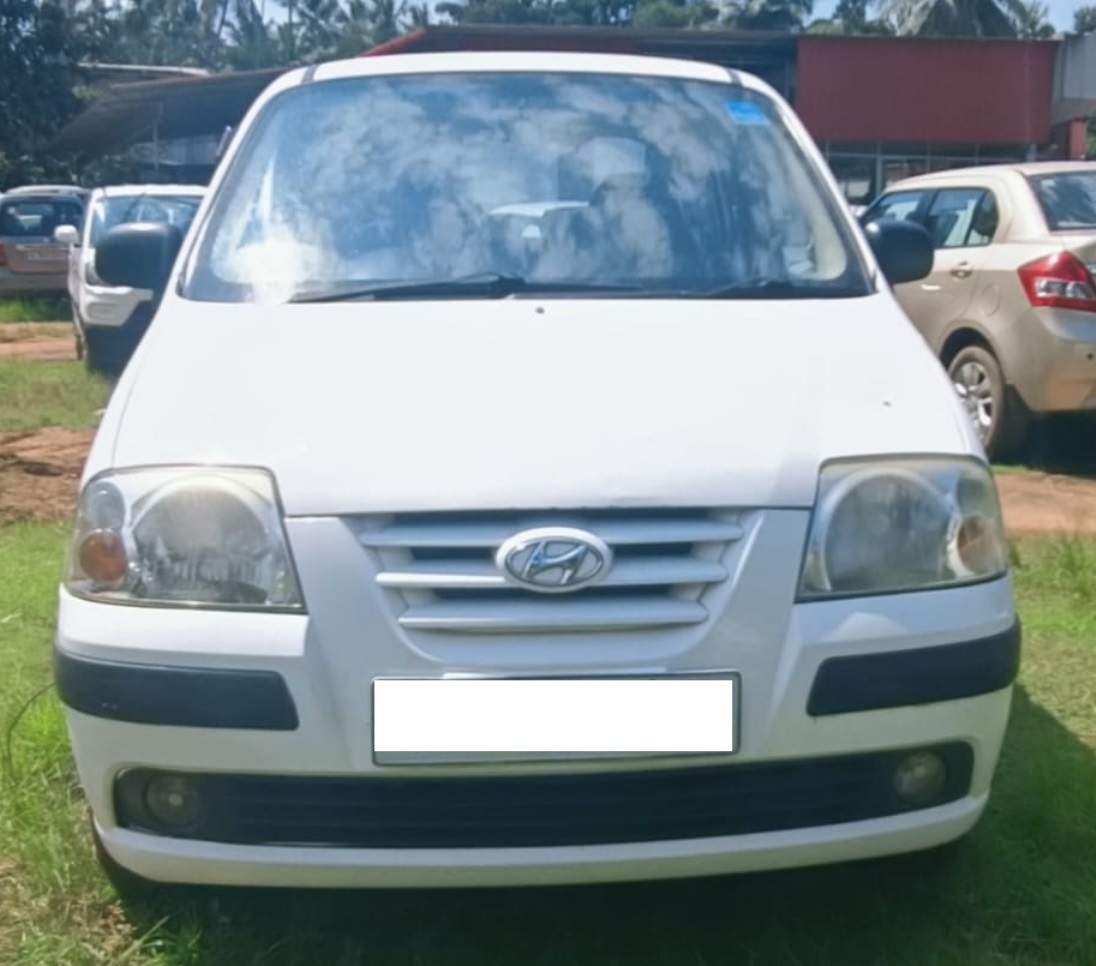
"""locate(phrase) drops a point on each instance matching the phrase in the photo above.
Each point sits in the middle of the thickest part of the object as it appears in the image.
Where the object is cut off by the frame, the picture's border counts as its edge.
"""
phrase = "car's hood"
(366, 407)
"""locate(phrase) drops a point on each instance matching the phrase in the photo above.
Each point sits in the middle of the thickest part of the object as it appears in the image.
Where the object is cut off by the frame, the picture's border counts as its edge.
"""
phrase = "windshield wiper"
(780, 288)
(487, 285)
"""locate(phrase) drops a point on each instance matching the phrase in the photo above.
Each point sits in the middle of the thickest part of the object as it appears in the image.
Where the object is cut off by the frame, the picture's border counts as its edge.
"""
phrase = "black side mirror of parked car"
(138, 256)
(902, 248)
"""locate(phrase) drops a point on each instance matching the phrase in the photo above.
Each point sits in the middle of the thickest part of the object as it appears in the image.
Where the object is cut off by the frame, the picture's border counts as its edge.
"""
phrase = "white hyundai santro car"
(500, 496)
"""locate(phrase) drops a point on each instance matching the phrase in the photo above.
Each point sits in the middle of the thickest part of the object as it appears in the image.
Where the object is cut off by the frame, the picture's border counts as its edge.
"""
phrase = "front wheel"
(998, 416)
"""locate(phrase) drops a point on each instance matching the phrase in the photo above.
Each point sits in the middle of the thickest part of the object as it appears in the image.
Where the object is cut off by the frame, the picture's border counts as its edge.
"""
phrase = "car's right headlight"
(892, 525)
(183, 536)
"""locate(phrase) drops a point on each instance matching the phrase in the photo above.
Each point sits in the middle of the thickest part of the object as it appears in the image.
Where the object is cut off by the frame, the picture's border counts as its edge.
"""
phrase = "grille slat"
(474, 575)
(491, 533)
(552, 615)
(443, 567)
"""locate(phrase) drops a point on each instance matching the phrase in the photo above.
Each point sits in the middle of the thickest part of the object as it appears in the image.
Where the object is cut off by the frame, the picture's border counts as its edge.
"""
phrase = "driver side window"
(902, 206)
(962, 218)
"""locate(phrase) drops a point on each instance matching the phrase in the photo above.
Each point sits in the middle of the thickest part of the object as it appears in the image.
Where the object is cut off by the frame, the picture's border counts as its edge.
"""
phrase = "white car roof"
(1007, 171)
(48, 189)
(515, 62)
(160, 190)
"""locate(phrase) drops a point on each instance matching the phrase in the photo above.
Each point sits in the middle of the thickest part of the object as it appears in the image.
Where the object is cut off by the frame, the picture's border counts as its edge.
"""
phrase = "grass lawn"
(38, 394)
(35, 308)
(1020, 890)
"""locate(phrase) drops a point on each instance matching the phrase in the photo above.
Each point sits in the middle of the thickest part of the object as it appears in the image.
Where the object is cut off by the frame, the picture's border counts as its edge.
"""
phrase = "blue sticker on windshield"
(747, 112)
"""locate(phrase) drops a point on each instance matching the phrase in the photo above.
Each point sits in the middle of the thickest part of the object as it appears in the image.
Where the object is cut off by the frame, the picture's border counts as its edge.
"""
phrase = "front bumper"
(206, 863)
(945, 662)
(111, 344)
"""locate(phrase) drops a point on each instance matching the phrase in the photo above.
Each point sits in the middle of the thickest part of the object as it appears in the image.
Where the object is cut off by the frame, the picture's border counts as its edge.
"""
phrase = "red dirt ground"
(48, 347)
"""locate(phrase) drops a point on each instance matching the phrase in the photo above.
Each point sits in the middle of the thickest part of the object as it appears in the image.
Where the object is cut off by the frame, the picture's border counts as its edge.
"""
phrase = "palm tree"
(950, 18)
(252, 43)
(789, 16)
(1032, 20)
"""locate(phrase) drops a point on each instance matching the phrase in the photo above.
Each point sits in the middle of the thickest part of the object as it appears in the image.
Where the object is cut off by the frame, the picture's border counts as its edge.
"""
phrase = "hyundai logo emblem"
(554, 560)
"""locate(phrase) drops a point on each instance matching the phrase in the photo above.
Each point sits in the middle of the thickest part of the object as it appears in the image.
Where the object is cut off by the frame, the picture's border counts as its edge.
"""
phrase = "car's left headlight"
(183, 536)
(892, 525)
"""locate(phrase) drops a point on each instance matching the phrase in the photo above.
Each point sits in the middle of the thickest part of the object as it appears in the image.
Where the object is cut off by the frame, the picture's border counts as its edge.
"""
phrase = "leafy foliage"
(1032, 20)
(37, 55)
(1084, 20)
(968, 18)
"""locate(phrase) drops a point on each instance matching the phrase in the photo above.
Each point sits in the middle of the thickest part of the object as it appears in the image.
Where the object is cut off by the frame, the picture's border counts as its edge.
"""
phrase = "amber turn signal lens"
(103, 558)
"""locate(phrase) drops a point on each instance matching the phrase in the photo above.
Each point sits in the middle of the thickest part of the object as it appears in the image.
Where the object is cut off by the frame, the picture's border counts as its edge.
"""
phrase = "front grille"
(541, 810)
(441, 568)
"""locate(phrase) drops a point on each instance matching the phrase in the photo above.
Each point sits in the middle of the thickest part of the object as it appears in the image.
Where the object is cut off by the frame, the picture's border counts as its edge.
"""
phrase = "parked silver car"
(31, 260)
(1010, 306)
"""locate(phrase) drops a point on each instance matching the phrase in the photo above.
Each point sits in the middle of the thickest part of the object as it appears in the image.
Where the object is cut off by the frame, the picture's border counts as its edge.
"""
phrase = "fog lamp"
(174, 800)
(920, 777)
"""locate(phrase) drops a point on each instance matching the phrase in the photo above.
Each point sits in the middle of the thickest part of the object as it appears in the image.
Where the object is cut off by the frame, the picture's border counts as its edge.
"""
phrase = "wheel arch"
(963, 337)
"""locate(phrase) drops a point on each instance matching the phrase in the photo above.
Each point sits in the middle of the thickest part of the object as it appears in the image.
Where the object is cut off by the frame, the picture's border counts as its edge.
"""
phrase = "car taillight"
(3, 257)
(1061, 280)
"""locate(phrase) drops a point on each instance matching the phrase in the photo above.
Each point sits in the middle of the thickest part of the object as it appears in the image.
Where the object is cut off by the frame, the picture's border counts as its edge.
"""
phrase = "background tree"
(674, 13)
(852, 17)
(1032, 20)
(37, 93)
(789, 16)
(1084, 20)
(950, 18)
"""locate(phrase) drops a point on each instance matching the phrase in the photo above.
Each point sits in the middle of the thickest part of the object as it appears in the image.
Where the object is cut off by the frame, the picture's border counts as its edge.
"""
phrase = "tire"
(999, 416)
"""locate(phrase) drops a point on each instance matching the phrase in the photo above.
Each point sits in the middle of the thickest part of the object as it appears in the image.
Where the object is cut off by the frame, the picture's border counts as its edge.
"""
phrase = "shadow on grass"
(1020, 889)
(1062, 444)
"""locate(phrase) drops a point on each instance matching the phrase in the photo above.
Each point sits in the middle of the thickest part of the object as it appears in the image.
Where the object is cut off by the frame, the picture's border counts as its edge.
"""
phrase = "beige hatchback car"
(1010, 305)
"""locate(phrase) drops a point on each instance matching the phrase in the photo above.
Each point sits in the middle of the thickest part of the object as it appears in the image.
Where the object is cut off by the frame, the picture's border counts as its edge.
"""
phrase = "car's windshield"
(649, 184)
(114, 210)
(37, 217)
(1068, 199)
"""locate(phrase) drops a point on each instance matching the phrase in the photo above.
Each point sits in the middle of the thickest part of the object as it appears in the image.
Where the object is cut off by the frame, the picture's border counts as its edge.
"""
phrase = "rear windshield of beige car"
(36, 218)
(642, 184)
(1068, 199)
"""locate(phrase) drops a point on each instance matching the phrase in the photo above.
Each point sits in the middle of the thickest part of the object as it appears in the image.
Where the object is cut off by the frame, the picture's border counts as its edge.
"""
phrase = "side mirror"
(138, 255)
(66, 235)
(902, 248)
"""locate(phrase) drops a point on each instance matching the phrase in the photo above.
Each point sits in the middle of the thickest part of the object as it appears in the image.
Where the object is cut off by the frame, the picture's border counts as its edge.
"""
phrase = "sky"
(1060, 11)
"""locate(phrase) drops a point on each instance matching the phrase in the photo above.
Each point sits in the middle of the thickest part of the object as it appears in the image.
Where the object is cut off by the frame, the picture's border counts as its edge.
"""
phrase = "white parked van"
(506, 492)
(111, 320)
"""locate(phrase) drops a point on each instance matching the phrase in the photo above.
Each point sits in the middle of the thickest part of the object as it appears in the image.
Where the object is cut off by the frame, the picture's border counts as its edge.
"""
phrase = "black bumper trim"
(184, 697)
(948, 672)
(536, 811)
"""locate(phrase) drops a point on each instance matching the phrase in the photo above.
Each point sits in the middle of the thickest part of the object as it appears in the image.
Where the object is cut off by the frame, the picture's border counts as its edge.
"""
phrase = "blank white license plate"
(465, 718)
(46, 255)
